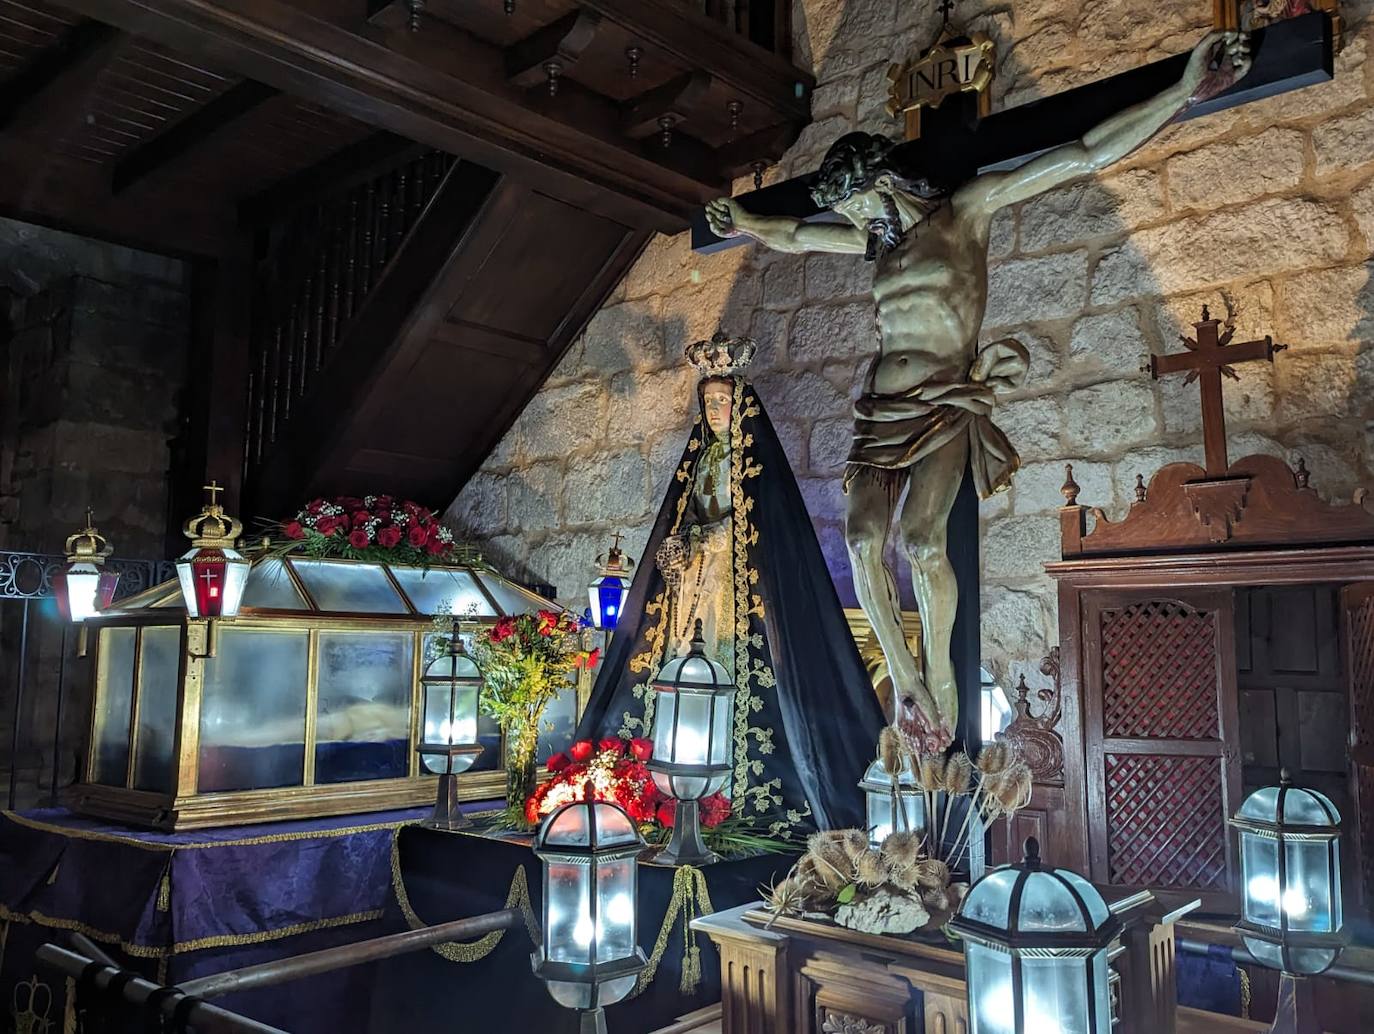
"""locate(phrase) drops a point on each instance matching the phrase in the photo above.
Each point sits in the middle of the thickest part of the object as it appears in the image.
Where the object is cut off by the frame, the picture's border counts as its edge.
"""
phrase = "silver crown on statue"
(723, 355)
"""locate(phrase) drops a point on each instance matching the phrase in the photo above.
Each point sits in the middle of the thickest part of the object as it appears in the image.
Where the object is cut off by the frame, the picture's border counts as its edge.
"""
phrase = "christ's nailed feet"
(922, 735)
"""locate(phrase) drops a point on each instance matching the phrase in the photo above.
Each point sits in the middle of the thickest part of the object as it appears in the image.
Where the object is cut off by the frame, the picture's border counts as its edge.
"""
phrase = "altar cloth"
(182, 905)
(490, 986)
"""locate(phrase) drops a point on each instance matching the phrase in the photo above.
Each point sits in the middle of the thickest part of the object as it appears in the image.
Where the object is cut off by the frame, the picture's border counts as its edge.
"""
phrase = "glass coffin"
(306, 704)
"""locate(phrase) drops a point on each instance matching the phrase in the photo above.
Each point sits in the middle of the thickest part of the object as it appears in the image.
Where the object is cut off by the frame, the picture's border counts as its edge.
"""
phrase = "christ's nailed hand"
(721, 215)
(1220, 60)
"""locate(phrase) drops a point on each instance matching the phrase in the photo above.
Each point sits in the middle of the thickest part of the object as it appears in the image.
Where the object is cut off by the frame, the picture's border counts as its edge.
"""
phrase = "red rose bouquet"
(616, 770)
(374, 527)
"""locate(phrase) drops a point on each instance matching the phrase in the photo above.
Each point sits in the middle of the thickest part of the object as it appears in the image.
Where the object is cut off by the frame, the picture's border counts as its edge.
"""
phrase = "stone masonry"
(1269, 208)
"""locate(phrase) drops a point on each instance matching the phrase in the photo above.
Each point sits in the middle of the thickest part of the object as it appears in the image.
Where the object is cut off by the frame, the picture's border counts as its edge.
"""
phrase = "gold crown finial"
(723, 355)
(88, 544)
(212, 528)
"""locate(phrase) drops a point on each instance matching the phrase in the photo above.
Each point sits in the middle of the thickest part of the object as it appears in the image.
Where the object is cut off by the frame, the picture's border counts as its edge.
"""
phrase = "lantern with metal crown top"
(212, 572)
(611, 586)
(84, 587)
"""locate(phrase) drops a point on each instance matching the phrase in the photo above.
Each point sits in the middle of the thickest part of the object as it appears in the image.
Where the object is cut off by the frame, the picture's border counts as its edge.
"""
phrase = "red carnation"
(581, 750)
(417, 536)
(358, 538)
(557, 762)
(390, 536)
(666, 814)
(326, 525)
(715, 809)
(434, 547)
(641, 748)
(294, 530)
(611, 743)
(503, 629)
(548, 621)
(361, 517)
(532, 810)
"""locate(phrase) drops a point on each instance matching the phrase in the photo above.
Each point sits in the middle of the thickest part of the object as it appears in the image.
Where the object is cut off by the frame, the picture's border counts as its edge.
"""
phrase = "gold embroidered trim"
(228, 940)
(474, 951)
(269, 838)
(690, 899)
(69, 1014)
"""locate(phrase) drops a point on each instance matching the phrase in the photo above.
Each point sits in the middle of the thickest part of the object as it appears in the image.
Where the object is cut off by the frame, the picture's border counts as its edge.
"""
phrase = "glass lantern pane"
(1097, 908)
(1305, 807)
(665, 718)
(252, 712)
(989, 899)
(362, 725)
(722, 725)
(569, 828)
(691, 743)
(114, 701)
(568, 933)
(1054, 995)
(349, 588)
(613, 826)
(615, 889)
(1262, 805)
(442, 590)
(511, 598)
(1046, 904)
(1259, 861)
(992, 1004)
(1307, 893)
(270, 587)
(559, 723)
(879, 815)
(159, 680)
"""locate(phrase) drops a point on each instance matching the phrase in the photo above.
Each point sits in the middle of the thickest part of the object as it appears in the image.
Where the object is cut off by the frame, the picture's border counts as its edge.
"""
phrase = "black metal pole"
(280, 971)
(204, 1017)
(57, 721)
(1243, 957)
(19, 701)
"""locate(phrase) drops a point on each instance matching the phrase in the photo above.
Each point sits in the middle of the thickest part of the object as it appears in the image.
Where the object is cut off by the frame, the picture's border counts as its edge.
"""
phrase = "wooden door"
(1161, 732)
(1357, 608)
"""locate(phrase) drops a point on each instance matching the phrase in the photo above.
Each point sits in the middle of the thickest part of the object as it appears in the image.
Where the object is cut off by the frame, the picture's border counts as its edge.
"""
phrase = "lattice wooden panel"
(1165, 821)
(1364, 786)
(1159, 672)
(1361, 629)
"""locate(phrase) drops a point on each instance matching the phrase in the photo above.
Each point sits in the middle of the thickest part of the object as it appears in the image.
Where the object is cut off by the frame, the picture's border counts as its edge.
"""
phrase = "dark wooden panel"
(27, 31)
(544, 244)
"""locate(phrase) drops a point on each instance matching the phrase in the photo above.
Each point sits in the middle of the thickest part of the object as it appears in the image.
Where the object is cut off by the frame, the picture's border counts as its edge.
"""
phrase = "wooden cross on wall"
(1210, 357)
(1288, 55)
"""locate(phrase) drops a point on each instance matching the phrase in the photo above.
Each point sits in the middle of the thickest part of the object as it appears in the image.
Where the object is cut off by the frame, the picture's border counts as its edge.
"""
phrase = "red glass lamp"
(84, 587)
(212, 572)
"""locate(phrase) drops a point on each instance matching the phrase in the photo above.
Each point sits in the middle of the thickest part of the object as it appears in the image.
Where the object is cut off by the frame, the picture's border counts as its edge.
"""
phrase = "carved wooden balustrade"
(322, 264)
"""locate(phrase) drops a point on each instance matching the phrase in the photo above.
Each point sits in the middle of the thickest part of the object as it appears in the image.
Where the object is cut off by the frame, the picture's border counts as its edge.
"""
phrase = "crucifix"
(1211, 356)
(921, 212)
(1288, 55)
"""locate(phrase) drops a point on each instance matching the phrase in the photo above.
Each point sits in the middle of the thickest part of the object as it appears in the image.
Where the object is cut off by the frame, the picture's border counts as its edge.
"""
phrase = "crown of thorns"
(853, 162)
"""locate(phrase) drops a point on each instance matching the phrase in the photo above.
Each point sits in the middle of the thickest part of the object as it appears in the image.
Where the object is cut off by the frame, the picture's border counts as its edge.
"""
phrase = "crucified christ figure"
(924, 413)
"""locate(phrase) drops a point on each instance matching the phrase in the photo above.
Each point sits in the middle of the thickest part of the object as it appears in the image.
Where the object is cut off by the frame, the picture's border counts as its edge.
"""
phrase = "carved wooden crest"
(1259, 502)
(1034, 736)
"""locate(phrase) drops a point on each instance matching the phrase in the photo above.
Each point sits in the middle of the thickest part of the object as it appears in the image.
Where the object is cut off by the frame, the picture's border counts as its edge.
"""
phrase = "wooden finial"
(665, 126)
(1140, 488)
(1206, 314)
(416, 6)
(552, 70)
(1070, 488)
(1301, 475)
(758, 168)
(633, 54)
(735, 109)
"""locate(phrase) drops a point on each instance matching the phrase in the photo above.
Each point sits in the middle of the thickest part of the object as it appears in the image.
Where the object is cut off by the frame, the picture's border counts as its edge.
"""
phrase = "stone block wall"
(1267, 208)
(93, 358)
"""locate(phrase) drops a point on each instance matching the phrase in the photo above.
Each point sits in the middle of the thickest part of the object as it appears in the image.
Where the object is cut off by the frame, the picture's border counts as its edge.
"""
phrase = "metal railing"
(26, 580)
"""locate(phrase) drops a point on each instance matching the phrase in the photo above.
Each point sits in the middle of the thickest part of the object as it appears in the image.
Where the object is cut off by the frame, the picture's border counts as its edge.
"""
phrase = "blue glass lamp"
(610, 588)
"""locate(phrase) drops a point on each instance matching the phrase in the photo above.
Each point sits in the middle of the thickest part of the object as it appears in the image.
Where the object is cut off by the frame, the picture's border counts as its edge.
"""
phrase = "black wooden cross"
(1288, 55)
(1209, 357)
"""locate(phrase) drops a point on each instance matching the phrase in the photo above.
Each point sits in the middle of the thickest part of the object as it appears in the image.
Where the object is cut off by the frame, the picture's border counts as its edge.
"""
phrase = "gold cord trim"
(690, 899)
(1244, 993)
(473, 951)
(69, 1013)
(144, 951)
(269, 838)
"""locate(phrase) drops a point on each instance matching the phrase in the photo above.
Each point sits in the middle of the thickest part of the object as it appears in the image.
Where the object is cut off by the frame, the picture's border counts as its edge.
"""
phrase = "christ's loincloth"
(894, 432)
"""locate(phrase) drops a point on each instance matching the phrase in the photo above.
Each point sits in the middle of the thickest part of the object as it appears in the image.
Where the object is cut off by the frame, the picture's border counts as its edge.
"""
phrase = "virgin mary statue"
(733, 547)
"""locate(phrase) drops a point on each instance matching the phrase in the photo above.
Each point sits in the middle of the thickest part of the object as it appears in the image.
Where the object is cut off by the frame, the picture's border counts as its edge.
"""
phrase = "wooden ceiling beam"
(59, 81)
(354, 165)
(185, 135)
(450, 91)
(673, 100)
(560, 44)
